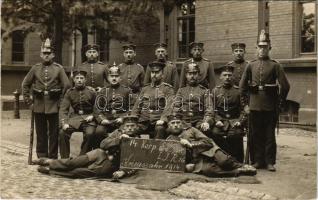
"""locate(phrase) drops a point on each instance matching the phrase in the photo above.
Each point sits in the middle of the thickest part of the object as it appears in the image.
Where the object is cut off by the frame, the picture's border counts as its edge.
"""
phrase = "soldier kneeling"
(203, 155)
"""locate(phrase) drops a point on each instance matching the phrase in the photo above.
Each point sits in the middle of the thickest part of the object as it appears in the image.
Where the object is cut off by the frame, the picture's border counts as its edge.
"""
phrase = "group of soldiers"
(111, 102)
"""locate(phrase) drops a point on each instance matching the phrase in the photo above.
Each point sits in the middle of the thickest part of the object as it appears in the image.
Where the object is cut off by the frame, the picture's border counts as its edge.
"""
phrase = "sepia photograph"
(159, 99)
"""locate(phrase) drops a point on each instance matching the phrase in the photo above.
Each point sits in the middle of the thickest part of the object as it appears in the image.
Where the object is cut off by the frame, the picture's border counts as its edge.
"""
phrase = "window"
(186, 27)
(308, 27)
(103, 41)
(18, 46)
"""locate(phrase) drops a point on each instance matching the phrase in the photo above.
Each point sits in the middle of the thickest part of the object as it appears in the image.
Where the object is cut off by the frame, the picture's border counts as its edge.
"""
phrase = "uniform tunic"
(239, 67)
(132, 76)
(96, 73)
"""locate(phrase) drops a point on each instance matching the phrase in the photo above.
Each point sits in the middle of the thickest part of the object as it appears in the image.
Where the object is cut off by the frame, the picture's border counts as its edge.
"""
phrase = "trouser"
(154, 131)
(46, 126)
(263, 125)
(88, 139)
(102, 132)
(93, 164)
(233, 145)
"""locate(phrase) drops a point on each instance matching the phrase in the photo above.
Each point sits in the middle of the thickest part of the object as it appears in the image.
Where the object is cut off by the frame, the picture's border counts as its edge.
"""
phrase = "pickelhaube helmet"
(263, 38)
(192, 67)
(114, 70)
(47, 46)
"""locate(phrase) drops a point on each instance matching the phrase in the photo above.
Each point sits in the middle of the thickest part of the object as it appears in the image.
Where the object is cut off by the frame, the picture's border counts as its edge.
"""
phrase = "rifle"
(31, 139)
(247, 150)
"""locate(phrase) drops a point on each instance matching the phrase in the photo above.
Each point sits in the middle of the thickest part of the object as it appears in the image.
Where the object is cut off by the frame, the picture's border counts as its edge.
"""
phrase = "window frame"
(13, 42)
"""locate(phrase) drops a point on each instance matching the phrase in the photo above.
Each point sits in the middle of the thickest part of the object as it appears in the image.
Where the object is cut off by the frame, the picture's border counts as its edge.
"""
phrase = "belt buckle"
(227, 115)
(260, 87)
(190, 114)
(80, 112)
(46, 92)
(150, 111)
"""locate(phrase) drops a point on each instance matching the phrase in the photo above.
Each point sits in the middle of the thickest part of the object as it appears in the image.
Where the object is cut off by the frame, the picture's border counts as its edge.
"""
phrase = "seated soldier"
(112, 102)
(228, 117)
(81, 98)
(204, 156)
(152, 102)
(192, 101)
(102, 162)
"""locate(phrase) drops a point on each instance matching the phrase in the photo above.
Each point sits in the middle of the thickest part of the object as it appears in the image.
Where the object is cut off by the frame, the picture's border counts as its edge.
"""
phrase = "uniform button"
(190, 114)
(227, 115)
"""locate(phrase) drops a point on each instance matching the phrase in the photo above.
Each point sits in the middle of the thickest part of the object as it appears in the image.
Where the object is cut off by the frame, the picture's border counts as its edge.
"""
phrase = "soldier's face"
(129, 55)
(197, 52)
(79, 80)
(226, 77)
(161, 53)
(130, 128)
(156, 76)
(263, 51)
(192, 77)
(47, 56)
(238, 54)
(175, 126)
(91, 54)
(113, 79)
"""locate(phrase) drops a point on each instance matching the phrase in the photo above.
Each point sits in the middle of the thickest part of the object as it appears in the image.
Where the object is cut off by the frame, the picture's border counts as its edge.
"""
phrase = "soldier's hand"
(66, 126)
(124, 136)
(237, 124)
(105, 122)
(205, 126)
(160, 122)
(119, 120)
(247, 109)
(89, 118)
(118, 174)
(186, 143)
(98, 89)
(219, 124)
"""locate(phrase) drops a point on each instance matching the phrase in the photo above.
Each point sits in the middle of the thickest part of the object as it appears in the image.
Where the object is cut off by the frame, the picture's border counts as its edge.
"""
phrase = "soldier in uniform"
(81, 99)
(101, 162)
(229, 118)
(49, 82)
(96, 70)
(151, 104)
(132, 73)
(170, 72)
(192, 101)
(203, 155)
(239, 63)
(259, 80)
(112, 103)
(207, 75)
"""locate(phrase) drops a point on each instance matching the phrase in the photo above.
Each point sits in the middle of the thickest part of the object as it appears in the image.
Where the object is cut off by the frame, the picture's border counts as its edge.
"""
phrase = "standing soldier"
(81, 98)
(151, 104)
(112, 103)
(49, 82)
(207, 75)
(96, 70)
(265, 95)
(170, 72)
(239, 63)
(228, 116)
(192, 101)
(132, 73)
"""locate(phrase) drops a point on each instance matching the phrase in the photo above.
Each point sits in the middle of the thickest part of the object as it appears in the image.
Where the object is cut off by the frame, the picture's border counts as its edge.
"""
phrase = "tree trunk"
(58, 29)
(84, 43)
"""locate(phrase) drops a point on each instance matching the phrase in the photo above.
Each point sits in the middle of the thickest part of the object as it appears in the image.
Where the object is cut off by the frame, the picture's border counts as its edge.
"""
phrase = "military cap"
(161, 45)
(114, 70)
(129, 46)
(130, 119)
(81, 72)
(227, 68)
(47, 46)
(192, 67)
(156, 66)
(238, 46)
(196, 44)
(175, 115)
(91, 47)
(263, 38)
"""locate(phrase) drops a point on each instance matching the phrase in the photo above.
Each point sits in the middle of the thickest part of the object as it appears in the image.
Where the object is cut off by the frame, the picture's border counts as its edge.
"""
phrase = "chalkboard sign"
(139, 153)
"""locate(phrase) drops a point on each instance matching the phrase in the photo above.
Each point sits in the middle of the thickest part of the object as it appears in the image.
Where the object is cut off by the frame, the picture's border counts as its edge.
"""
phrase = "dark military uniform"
(132, 76)
(228, 109)
(150, 107)
(170, 75)
(112, 102)
(96, 73)
(207, 75)
(82, 101)
(259, 80)
(239, 67)
(49, 82)
(193, 102)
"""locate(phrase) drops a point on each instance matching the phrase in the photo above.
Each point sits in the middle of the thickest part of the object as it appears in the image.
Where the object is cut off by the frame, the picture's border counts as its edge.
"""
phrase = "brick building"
(292, 27)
